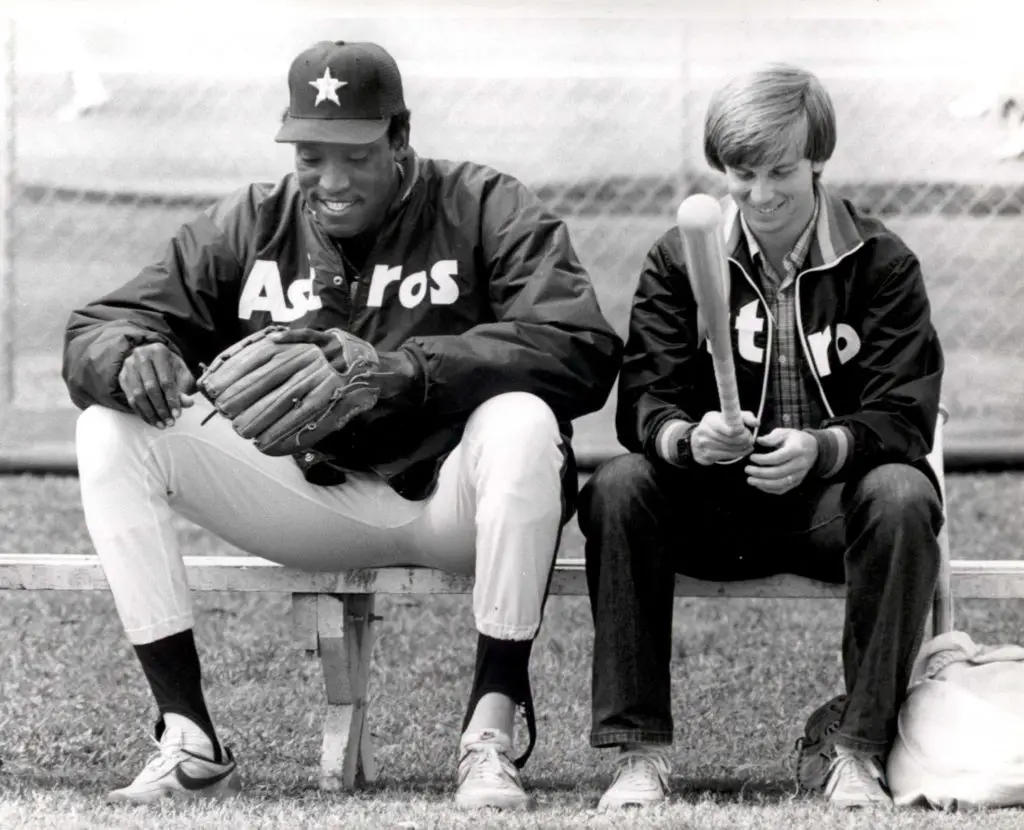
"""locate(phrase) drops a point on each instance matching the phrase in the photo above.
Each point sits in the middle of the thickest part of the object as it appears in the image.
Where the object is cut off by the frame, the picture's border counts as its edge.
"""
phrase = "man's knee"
(515, 437)
(897, 515)
(518, 419)
(900, 501)
(111, 441)
(101, 423)
(615, 488)
(898, 492)
(105, 435)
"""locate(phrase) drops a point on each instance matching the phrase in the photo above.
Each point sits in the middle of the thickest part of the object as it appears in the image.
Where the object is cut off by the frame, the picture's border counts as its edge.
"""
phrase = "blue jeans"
(644, 522)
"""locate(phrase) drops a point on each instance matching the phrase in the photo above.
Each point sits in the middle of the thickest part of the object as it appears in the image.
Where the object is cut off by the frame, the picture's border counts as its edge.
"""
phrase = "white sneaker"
(175, 772)
(641, 779)
(487, 776)
(856, 781)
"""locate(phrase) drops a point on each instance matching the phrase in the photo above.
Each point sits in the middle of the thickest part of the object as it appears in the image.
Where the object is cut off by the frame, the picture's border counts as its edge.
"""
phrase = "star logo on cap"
(327, 88)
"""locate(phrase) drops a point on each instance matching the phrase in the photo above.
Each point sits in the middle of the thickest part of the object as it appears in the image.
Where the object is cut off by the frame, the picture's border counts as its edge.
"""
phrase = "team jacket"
(868, 346)
(469, 272)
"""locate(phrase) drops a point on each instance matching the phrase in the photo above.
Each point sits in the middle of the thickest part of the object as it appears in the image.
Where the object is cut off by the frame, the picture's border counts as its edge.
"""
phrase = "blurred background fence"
(115, 132)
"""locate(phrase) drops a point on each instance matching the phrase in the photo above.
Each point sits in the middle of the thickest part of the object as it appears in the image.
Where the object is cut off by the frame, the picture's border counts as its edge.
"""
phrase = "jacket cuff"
(835, 448)
(666, 445)
(400, 376)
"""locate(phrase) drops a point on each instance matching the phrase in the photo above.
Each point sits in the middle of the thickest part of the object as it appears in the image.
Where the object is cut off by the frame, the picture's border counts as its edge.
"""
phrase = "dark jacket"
(470, 274)
(868, 345)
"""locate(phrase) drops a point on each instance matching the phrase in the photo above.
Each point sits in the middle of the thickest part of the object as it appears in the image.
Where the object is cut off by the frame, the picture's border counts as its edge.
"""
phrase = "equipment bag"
(961, 727)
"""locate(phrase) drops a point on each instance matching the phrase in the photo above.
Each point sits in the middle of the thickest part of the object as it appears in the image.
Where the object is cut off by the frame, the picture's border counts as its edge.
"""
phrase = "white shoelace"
(485, 764)
(634, 768)
(165, 758)
(863, 771)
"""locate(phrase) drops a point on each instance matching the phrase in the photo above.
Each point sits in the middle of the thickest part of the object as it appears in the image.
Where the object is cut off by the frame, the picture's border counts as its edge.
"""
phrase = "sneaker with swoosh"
(175, 772)
(487, 775)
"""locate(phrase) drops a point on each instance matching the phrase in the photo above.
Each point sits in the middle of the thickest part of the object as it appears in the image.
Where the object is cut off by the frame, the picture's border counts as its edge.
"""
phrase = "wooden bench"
(334, 616)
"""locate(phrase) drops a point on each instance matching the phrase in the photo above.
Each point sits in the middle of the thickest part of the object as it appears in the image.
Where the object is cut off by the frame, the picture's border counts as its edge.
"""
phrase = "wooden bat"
(699, 220)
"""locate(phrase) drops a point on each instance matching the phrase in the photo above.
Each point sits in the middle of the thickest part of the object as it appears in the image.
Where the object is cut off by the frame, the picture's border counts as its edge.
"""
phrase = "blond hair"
(753, 119)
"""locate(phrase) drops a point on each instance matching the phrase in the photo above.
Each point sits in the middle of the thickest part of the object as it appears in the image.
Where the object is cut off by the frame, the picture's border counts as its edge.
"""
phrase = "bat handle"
(728, 392)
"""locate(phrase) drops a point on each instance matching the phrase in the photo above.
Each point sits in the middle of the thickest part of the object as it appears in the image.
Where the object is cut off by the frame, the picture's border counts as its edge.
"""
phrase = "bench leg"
(345, 633)
(942, 609)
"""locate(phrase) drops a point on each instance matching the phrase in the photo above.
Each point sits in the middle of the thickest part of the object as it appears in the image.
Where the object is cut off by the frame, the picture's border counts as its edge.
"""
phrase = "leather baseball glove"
(816, 748)
(285, 395)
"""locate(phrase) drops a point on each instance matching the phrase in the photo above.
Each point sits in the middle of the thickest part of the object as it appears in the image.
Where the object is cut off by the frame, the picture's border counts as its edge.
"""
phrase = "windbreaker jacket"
(868, 347)
(470, 273)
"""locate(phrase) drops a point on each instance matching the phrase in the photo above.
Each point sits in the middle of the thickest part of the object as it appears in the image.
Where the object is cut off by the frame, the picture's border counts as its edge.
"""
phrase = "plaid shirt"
(790, 402)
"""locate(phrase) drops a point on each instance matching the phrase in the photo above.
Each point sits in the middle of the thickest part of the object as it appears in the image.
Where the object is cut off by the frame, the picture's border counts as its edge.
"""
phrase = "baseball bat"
(699, 220)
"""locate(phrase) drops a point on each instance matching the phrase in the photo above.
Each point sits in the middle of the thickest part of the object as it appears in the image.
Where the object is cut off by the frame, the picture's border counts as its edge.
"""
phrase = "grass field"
(74, 710)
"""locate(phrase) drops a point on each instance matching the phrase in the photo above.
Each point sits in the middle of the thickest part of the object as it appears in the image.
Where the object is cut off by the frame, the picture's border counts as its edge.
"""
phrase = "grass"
(76, 713)
(699, 813)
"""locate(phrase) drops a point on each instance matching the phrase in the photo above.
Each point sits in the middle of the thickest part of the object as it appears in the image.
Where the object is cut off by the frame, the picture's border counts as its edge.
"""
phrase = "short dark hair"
(399, 124)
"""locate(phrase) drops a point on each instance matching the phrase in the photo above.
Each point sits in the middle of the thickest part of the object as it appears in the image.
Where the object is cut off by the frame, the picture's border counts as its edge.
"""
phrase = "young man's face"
(776, 200)
(348, 186)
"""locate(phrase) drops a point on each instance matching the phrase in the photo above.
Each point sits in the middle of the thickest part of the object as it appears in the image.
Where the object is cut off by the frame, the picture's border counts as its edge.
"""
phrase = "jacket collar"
(410, 168)
(835, 234)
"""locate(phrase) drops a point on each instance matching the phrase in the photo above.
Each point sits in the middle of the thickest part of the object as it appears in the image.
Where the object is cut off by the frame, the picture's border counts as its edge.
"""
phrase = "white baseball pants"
(495, 512)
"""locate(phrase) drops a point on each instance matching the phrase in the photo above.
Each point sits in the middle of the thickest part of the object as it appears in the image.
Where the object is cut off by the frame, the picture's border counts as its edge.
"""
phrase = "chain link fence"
(602, 118)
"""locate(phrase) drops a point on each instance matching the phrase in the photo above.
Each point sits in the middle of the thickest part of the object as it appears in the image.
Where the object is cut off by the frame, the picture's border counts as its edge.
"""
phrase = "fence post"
(8, 300)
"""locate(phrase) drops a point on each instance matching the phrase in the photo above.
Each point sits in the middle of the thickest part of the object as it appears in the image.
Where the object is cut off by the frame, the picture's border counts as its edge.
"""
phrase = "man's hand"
(331, 345)
(397, 374)
(782, 469)
(713, 441)
(157, 384)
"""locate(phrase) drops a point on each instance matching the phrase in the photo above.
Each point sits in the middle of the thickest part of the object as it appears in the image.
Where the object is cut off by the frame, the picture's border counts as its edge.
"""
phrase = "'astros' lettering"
(441, 287)
(263, 292)
(844, 339)
(748, 324)
(847, 343)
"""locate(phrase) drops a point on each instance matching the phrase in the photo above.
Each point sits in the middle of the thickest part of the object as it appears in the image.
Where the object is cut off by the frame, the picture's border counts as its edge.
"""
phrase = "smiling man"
(839, 370)
(490, 341)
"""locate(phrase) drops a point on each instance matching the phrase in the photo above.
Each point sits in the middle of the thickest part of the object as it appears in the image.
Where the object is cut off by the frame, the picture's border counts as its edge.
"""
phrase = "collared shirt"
(791, 403)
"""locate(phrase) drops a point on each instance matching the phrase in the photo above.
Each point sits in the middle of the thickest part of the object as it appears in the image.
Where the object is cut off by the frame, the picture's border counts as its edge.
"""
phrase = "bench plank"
(972, 579)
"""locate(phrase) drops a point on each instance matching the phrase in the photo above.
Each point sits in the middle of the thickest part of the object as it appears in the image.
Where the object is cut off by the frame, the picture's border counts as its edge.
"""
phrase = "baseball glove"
(286, 397)
(816, 749)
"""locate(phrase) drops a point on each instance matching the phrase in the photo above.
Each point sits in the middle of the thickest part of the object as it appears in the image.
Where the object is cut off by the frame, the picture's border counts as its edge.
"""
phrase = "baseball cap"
(340, 92)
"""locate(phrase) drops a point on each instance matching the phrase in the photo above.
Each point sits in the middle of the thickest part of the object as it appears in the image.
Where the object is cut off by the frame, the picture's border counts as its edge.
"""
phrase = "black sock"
(504, 666)
(171, 665)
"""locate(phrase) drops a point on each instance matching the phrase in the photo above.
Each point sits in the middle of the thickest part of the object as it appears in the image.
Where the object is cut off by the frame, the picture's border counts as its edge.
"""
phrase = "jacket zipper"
(804, 345)
(768, 343)
(349, 269)
(351, 277)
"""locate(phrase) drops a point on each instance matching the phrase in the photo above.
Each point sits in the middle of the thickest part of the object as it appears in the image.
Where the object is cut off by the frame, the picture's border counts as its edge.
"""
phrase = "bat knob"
(699, 212)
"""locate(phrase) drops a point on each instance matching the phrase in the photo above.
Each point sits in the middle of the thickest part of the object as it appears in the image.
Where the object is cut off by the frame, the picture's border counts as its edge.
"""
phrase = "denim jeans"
(645, 521)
